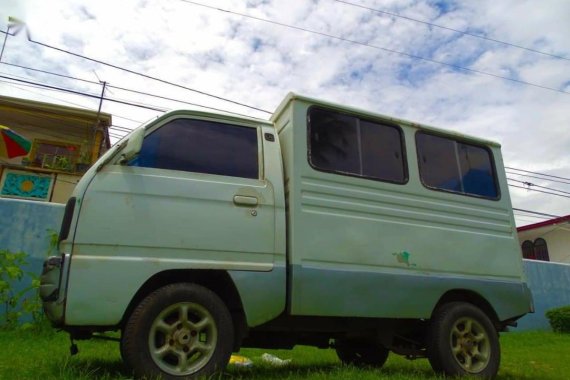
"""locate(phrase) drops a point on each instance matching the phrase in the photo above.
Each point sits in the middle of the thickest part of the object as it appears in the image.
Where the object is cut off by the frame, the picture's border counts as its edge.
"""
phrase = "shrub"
(559, 319)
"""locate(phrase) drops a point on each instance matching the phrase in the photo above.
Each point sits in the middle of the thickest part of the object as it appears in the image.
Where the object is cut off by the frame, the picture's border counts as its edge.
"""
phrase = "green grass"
(45, 355)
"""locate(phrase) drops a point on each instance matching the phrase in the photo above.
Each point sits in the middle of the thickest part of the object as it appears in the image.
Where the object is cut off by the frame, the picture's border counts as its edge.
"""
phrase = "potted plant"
(84, 162)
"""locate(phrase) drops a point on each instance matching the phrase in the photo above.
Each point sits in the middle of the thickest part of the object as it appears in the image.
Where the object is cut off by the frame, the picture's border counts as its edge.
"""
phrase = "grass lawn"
(45, 355)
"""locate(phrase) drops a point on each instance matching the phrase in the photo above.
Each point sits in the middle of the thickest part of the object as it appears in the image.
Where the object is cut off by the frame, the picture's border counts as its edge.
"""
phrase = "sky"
(373, 64)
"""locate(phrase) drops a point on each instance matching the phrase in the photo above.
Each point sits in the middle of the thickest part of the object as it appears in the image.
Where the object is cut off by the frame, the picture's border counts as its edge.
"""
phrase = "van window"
(203, 147)
(446, 164)
(352, 146)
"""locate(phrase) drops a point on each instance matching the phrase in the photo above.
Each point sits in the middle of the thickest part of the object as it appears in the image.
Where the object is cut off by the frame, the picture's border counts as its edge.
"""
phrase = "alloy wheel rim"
(182, 338)
(470, 345)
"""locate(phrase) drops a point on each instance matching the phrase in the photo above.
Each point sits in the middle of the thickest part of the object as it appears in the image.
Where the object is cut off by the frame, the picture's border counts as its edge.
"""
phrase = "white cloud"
(257, 63)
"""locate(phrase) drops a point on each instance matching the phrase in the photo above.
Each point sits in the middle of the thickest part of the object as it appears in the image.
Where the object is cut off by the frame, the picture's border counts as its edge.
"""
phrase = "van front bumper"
(52, 288)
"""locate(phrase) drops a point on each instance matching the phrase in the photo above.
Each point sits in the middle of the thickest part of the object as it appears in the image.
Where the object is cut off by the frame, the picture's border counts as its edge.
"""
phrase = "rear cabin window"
(349, 145)
(203, 147)
(450, 165)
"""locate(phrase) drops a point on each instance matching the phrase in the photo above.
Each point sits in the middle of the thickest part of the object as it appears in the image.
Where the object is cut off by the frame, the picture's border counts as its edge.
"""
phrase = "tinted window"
(334, 144)
(453, 166)
(203, 147)
(349, 145)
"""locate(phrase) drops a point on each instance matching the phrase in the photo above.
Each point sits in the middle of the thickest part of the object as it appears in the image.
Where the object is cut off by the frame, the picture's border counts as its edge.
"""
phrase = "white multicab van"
(328, 226)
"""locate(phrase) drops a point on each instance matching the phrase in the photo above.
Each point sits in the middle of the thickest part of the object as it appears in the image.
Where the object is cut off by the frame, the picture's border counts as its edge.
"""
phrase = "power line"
(453, 30)
(538, 173)
(148, 76)
(530, 184)
(86, 94)
(126, 89)
(523, 216)
(417, 57)
(19, 87)
(122, 129)
(176, 100)
(535, 177)
(540, 191)
(50, 73)
(126, 118)
(536, 213)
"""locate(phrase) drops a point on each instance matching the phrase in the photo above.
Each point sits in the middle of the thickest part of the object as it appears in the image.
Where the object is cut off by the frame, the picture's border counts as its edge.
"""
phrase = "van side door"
(194, 197)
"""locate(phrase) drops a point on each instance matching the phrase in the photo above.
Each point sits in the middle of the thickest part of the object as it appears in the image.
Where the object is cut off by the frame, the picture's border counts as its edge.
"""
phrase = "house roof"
(551, 222)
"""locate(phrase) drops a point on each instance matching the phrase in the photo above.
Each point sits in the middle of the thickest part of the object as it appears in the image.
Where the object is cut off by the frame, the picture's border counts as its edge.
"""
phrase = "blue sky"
(258, 63)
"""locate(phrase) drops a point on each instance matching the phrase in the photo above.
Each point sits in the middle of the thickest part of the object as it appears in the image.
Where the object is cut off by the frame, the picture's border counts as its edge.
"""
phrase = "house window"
(535, 251)
(54, 155)
(528, 250)
(348, 145)
(541, 250)
(202, 146)
(449, 165)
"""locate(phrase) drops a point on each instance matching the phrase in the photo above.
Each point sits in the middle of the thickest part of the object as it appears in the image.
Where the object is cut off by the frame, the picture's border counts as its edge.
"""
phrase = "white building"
(546, 241)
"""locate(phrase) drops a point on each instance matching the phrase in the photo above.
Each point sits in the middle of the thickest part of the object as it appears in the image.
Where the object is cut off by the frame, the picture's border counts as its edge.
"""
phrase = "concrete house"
(65, 142)
(546, 241)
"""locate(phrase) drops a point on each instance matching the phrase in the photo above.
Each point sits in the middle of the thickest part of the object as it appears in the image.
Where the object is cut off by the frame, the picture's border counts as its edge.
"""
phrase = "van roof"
(291, 96)
(227, 116)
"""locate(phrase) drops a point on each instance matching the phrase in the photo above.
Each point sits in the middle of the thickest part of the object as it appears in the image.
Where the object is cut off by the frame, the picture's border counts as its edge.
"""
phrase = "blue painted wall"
(550, 286)
(25, 225)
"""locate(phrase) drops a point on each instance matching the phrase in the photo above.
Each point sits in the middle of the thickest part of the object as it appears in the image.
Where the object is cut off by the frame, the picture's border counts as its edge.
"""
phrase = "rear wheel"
(361, 352)
(180, 331)
(462, 341)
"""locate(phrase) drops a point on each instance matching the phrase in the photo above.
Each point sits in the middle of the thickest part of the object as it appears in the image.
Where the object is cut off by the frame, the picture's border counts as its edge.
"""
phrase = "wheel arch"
(218, 281)
(469, 296)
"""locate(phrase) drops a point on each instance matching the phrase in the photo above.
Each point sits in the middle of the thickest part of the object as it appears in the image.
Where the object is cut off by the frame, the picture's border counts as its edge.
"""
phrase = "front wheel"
(462, 341)
(180, 331)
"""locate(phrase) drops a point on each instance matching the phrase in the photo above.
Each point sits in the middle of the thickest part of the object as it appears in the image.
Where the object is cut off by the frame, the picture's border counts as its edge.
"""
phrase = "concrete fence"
(26, 225)
(550, 286)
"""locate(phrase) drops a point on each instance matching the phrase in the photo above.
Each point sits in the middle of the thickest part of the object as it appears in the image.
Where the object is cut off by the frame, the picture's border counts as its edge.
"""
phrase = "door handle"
(244, 200)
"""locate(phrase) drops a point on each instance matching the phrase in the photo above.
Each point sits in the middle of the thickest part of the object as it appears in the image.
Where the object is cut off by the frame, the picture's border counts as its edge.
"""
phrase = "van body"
(327, 226)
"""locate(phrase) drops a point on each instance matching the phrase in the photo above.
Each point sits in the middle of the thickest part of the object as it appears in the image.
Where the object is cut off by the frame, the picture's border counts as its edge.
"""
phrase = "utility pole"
(5, 40)
(95, 152)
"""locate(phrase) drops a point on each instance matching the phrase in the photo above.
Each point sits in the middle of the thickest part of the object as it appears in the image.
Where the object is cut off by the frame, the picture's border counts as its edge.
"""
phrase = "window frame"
(260, 164)
(530, 247)
(382, 122)
(540, 243)
(73, 158)
(459, 141)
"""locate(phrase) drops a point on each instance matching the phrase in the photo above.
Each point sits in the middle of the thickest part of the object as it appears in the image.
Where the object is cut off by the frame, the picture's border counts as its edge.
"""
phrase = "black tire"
(361, 352)
(462, 341)
(180, 331)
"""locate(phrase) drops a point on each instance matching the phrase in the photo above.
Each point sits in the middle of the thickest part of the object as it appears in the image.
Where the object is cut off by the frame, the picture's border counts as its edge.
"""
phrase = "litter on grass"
(274, 360)
(240, 361)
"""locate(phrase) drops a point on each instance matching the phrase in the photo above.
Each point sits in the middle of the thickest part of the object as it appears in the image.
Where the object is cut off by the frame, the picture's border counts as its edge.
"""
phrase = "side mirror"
(133, 145)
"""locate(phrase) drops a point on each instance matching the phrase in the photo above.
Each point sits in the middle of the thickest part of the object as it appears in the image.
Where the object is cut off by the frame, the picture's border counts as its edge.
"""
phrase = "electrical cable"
(122, 129)
(147, 76)
(453, 30)
(19, 87)
(524, 217)
(530, 184)
(87, 94)
(540, 191)
(176, 100)
(535, 177)
(538, 173)
(123, 89)
(50, 73)
(409, 55)
(537, 213)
